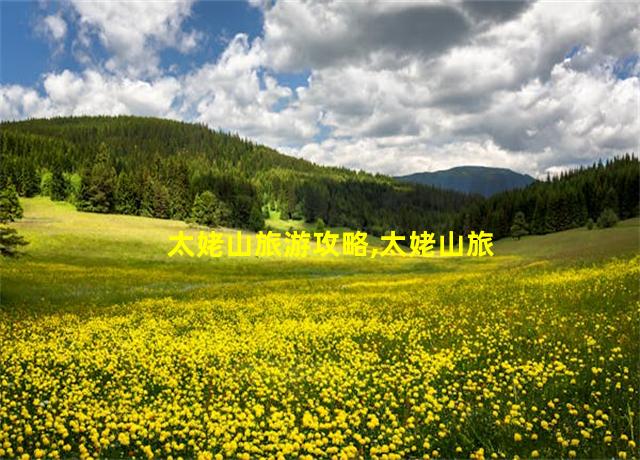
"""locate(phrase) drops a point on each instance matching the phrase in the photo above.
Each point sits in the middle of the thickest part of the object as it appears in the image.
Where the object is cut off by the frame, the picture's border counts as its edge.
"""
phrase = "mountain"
(472, 179)
(183, 171)
(571, 199)
(175, 170)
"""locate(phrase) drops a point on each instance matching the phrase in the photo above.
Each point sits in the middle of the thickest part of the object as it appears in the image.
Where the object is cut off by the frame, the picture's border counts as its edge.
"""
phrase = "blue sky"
(384, 86)
(26, 54)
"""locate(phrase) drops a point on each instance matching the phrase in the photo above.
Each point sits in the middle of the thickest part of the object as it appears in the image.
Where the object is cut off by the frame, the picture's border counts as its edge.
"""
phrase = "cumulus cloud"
(55, 26)
(235, 94)
(134, 32)
(316, 35)
(393, 87)
(531, 87)
(573, 113)
(90, 93)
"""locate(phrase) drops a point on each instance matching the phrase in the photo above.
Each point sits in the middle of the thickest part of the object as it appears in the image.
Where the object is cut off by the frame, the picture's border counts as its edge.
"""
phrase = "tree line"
(569, 200)
(175, 170)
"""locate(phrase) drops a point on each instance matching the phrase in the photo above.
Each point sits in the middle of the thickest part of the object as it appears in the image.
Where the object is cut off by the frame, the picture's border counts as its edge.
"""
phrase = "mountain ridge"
(481, 180)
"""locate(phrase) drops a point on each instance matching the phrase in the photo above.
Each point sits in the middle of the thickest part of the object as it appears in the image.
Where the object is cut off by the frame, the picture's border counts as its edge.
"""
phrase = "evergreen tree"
(127, 198)
(607, 219)
(160, 201)
(189, 159)
(59, 185)
(256, 219)
(179, 190)
(10, 240)
(10, 210)
(29, 180)
(539, 216)
(610, 200)
(320, 226)
(519, 227)
(45, 183)
(209, 210)
(97, 193)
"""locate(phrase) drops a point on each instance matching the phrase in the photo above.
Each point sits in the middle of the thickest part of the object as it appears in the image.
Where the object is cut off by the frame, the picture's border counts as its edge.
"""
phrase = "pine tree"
(127, 199)
(210, 210)
(10, 210)
(160, 201)
(29, 180)
(59, 185)
(519, 227)
(539, 216)
(97, 191)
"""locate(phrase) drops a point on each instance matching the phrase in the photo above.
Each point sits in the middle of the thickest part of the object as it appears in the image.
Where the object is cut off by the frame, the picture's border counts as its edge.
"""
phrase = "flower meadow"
(492, 360)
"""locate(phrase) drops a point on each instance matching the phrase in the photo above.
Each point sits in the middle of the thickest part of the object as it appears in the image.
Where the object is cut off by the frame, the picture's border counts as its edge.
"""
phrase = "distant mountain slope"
(472, 179)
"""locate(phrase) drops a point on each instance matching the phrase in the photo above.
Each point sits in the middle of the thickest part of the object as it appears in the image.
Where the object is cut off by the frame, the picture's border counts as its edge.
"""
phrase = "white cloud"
(134, 32)
(18, 102)
(55, 25)
(236, 94)
(506, 95)
(300, 35)
(404, 155)
(90, 93)
(399, 86)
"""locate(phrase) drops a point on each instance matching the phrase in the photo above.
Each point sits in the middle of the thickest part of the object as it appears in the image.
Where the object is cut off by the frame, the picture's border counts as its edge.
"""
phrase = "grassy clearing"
(111, 349)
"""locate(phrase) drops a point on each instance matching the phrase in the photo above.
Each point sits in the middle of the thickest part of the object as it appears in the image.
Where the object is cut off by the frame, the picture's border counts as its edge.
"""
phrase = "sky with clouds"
(392, 87)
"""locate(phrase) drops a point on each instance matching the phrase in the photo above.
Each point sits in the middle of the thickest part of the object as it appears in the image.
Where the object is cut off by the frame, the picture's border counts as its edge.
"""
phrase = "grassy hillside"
(111, 349)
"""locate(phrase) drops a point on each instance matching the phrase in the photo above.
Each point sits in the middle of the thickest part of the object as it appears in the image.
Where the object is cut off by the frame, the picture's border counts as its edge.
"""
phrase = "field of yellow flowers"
(506, 358)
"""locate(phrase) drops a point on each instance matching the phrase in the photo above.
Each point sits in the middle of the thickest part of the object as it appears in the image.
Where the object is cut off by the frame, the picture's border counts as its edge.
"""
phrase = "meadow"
(110, 349)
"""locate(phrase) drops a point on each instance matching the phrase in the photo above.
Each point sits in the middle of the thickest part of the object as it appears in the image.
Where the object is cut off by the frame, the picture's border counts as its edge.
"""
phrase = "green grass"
(578, 244)
(82, 259)
(277, 224)
(533, 350)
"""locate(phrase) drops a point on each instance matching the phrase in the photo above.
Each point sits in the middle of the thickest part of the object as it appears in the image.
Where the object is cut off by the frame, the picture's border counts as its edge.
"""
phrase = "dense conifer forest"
(159, 168)
(569, 200)
(176, 170)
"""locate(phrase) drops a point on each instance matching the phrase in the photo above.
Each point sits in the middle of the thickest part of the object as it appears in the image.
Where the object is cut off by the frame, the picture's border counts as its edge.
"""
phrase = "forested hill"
(171, 169)
(472, 179)
(604, 191)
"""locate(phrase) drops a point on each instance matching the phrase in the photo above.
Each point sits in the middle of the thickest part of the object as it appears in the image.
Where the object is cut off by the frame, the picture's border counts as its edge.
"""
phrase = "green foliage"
(210, 210)
(561, 203)
(154, 167)
(320, 226)
(10, 241)
(189, 159)
(10, 210)
(45, 183)
(256, 219)
(519, 227)
(59, 188)
(590, 223)
(127, 195)
(97, 189)
(73, 182)
(608, 218)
